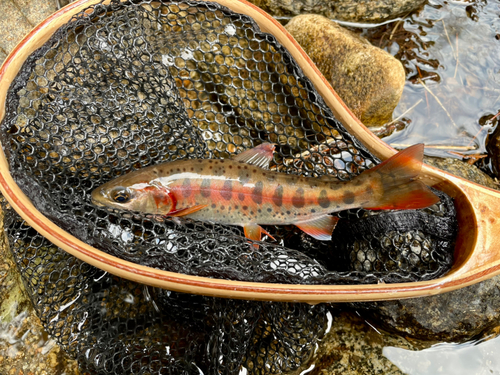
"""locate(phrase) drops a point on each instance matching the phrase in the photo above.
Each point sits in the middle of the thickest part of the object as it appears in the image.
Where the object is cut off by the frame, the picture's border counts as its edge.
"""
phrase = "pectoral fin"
(320, 228)
(187, 210)
(254, 232)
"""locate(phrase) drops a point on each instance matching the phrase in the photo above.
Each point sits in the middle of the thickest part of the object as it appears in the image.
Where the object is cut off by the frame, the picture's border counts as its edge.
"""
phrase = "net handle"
(477, 256)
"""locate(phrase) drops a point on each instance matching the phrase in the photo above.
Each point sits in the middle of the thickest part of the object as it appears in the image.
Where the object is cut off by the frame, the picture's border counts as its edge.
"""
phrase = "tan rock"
(368, 79)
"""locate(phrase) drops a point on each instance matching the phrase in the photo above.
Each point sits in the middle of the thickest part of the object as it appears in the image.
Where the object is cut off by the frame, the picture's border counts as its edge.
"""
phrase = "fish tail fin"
(400, 188)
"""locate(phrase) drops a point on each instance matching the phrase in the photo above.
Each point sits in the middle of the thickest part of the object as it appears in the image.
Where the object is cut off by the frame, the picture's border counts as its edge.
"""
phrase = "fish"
(243, 191)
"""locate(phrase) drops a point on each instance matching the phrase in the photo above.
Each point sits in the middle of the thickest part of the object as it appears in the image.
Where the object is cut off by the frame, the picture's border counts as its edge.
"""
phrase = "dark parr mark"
(241, 196)
(298, 198)
(348, 197)
(227, 190)
(186, 187)
(205, 188)
(323, 200)
(278, 196)
(257, 192)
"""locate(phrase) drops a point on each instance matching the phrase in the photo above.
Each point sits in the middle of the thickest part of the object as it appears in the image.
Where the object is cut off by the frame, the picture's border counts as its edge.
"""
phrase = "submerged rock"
(344, 10)
(368, 79)
(353, 347)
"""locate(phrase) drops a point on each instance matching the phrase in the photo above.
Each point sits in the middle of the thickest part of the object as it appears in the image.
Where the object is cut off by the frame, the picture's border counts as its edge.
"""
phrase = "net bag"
(128, 84)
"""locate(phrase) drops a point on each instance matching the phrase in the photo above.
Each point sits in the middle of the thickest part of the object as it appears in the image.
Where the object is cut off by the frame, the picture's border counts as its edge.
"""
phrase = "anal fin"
(320, 228)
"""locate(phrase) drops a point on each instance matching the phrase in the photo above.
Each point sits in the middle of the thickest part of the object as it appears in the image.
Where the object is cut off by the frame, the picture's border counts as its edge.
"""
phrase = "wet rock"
(493, 147)
(344, 10)
(353, 347)
(465, 170)
(457, 316)
(368, 79)
(25, 347)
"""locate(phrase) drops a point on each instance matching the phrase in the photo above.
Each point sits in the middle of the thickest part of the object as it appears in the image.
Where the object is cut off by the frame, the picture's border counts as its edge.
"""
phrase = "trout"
(243, 191)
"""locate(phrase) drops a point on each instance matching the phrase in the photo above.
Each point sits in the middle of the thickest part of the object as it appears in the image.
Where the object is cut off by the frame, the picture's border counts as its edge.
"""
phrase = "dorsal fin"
(259, 156)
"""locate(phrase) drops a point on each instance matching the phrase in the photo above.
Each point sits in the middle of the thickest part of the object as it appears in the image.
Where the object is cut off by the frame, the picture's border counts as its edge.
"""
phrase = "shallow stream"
(450, 51)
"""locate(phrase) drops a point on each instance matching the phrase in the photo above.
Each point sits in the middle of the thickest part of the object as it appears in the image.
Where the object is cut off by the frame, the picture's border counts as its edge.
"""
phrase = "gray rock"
(461, 169)
(352, 347)
(368, 79)
(455, 316)
(493, 147)
(345, 10)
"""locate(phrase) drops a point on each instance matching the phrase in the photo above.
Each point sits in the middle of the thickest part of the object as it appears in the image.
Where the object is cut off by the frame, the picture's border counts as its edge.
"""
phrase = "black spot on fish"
(222, 207)
(259, 210)
(227, 190)
(213, 205)
(298, 198)
(186, 187)
(257, 192)
(278, 196)
(369, 190)
(323, 200)
(357, 181)
(269, 210)
(205, 188)
(335, 186)
(348, 197)
(313, 210)
(244, 207)
(288, 212)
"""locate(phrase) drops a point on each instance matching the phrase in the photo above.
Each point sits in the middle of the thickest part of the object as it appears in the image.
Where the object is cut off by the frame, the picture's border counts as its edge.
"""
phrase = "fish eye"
(120, 195)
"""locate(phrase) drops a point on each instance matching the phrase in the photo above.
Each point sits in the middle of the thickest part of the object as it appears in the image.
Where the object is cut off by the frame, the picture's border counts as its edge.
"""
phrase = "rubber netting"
(129, 84)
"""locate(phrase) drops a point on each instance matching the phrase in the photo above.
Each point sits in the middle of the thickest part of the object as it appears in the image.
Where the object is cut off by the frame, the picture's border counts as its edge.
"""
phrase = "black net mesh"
(134, 83)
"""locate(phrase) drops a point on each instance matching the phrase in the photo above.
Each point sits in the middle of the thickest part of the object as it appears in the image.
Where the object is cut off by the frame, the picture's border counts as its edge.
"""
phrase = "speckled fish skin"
(231, 191)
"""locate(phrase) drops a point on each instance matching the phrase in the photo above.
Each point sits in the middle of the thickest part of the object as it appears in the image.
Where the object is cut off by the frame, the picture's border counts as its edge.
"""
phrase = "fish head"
(133, 192)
